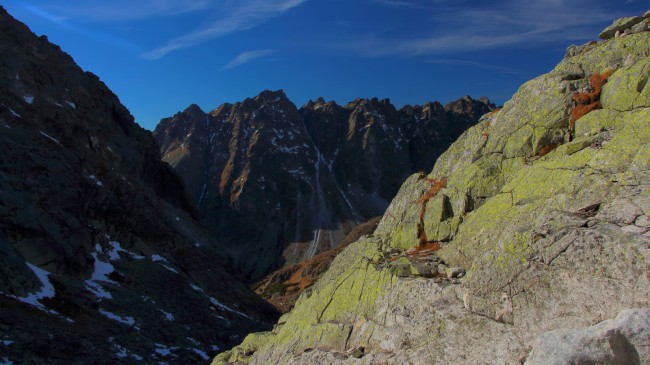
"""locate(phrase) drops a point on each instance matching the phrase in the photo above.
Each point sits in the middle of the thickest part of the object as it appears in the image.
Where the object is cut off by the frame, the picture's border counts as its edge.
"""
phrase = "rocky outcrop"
(548, 223)
(100, 252)
(277, 184)
(283, 287)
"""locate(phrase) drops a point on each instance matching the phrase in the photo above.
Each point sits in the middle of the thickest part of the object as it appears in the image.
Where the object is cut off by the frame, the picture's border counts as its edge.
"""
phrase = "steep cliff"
(277, 184)
(100, 252)
(542, 228)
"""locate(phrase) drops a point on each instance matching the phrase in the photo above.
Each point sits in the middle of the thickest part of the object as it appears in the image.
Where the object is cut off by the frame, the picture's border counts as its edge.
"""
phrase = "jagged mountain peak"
(277, 184)
(193, 110)
(522, 233)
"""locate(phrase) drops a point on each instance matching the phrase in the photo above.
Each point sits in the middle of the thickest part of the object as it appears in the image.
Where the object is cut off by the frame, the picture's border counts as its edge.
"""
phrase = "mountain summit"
(101, 258)
(276, 184)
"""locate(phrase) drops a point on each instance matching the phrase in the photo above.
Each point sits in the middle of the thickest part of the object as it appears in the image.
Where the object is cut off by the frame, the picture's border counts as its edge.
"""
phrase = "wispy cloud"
(65, 23)
(246, 57)
(452, 28)
(465, 63)
(239, 16)
(127, 10)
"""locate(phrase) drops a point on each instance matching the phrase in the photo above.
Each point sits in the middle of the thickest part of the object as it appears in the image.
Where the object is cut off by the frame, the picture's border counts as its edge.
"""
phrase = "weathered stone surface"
(619, 26)
(101, 258)
(539, 234)
(623, 340)
(278, 185)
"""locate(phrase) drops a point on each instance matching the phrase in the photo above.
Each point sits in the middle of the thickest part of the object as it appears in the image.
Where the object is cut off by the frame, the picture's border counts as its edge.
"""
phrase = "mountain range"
(276, 185)
(528, 242)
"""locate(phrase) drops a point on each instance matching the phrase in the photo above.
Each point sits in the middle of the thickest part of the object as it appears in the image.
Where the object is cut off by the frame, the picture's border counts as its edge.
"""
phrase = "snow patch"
(47, 291)
(129, 321)
(14, 113)
(28, 99)
(101, 272)
(201, 353)
(71, 104)
(50, 137)
(8, 342)
(218, 304)
(97, 181)
(164, 351)
(157, 258)
(6, 361)
(163, 262)
(168, 316)
(121, 351)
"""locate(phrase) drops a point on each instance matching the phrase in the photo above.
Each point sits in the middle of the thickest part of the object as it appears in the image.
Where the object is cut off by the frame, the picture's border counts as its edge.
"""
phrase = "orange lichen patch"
(436, 185)
(283, 287)
(486, 134)
(586, 102)
(494, 111)
(547, 149)
(430, 246)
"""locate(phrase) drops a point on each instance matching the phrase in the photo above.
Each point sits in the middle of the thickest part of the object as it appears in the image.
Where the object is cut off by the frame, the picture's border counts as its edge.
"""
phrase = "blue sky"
(159, 56)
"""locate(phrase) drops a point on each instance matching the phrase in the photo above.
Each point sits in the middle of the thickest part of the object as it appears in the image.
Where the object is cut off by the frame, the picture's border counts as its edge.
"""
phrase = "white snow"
(7, 342)
(137, 357)
(102, 270)
(203, 355)
(218, 304)
(178, 219)
(47, 291)
(6, 361)
(50, 137)
(97, 181)
(163, 350)
(168, 316)
(156, 258)
(98, 290)
(28, 99)
(121, 351)
(14, 113)
(163, 262)
(130, 321)
(71, 104)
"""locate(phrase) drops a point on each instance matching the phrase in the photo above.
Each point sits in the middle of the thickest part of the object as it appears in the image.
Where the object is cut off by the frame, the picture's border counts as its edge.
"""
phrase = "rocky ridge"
(539, 228)
(101, 255)
(277, 184)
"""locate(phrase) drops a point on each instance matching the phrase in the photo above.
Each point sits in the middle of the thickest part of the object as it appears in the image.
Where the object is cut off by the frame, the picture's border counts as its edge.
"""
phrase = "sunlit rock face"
(538, 245)
(276, 184)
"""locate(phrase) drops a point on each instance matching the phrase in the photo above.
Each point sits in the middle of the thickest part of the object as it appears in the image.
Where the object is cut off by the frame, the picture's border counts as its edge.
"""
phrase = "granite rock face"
(100, 252)
(277, 185)
(548, 223)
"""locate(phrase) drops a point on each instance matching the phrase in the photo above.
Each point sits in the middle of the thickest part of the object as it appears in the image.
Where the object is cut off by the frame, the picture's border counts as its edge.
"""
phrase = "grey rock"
(642, 221)
(455, 272)
(634, 229)
(619, 211)
(620, 25)
(623, 340)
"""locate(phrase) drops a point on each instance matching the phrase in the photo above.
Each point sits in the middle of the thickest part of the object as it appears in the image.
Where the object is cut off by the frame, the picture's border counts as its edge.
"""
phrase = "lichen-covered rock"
(540, 220)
